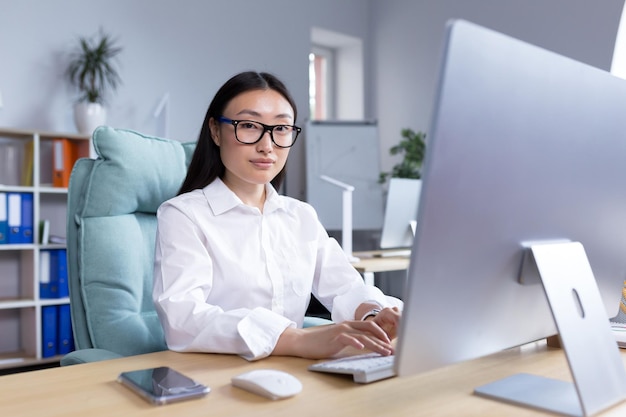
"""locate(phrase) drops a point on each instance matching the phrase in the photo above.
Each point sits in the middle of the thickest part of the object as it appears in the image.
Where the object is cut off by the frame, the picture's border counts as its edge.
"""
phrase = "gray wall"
(406, 44)
(408, 36)
(188, 48)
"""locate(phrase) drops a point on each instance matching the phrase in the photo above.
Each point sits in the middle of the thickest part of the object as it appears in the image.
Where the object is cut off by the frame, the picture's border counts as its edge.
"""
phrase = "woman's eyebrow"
(254, 113)
(249, 113)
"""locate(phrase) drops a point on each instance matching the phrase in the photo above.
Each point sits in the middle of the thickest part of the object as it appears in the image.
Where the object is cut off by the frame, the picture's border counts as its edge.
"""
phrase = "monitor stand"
(585, 333)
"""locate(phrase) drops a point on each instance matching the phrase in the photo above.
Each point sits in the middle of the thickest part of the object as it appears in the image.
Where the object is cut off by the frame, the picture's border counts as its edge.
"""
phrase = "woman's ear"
(214, 129)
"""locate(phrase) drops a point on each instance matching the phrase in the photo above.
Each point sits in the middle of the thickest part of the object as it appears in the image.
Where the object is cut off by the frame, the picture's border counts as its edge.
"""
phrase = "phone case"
(162, 385)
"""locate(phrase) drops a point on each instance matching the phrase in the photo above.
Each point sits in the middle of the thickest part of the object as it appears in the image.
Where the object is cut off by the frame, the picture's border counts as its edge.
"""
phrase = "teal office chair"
(111, 229)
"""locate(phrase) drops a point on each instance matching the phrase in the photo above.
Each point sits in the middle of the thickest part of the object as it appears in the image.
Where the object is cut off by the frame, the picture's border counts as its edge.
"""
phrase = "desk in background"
(371, 262)
(91, 389)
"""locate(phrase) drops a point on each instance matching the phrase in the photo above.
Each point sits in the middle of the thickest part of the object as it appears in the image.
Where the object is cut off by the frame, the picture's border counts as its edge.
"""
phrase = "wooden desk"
(91, 390)
(369, 263)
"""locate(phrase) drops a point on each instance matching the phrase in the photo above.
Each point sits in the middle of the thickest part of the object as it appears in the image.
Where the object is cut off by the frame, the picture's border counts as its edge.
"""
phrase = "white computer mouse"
(269, 383)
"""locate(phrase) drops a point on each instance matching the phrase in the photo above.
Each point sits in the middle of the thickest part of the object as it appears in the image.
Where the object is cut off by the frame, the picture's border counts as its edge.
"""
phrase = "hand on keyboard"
(322, 342)
(388, 319)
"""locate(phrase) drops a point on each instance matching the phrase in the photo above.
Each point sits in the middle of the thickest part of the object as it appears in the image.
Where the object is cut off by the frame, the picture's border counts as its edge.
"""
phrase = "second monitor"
(400, 213)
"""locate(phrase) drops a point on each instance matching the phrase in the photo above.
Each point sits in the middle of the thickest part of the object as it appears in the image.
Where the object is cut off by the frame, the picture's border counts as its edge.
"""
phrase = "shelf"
(17, 188)
(21, 359)
(16, 303)
(54, 301)
(44, 188)
(17, 246)
(26, 166)
(49, 189)
(28, 134)
(52, 246)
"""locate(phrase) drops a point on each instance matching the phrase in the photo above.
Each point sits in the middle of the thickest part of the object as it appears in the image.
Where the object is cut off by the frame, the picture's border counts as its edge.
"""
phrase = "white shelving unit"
(20, 304)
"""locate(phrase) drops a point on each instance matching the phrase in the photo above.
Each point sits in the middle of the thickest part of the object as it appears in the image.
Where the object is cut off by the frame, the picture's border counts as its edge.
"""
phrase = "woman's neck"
(250, 194)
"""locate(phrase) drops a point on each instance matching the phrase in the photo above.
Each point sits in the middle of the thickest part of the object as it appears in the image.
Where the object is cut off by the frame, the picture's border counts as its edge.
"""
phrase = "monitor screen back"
(400, 210)
(524, 145)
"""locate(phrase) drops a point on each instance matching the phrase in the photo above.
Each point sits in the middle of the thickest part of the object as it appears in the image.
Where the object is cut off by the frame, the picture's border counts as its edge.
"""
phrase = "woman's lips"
(262, 163)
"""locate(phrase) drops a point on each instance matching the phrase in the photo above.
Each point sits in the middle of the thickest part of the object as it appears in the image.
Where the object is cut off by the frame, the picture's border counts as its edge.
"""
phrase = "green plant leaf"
(91, 68)
(413, 147)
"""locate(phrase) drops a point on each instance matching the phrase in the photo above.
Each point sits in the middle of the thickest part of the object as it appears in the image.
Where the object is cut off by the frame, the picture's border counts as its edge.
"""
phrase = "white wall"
(408, 37)
(187, 48)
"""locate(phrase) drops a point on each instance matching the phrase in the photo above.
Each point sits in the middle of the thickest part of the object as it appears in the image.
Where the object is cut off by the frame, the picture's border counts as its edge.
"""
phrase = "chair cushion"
(116, 226)
(135, 172)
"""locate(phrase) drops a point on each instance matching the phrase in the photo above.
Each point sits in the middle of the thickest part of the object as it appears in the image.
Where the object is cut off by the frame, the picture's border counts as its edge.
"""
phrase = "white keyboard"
(364, 369)
(619, 331)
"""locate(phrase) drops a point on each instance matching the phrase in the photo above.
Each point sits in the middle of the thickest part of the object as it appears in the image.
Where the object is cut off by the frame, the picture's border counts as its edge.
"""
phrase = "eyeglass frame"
(266, 128)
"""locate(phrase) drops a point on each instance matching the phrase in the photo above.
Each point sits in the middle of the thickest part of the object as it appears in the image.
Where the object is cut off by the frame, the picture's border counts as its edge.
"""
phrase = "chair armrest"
(310, 321)
(88, 355)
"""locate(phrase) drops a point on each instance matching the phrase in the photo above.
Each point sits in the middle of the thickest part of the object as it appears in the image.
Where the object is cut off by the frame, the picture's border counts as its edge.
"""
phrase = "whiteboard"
(347, 152)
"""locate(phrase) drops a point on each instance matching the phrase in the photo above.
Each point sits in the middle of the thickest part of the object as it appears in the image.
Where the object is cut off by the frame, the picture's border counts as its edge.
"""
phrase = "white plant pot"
(88, 116)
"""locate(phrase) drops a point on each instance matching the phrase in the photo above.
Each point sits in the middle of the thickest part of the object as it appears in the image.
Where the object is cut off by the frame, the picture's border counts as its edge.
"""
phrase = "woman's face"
(256, 164)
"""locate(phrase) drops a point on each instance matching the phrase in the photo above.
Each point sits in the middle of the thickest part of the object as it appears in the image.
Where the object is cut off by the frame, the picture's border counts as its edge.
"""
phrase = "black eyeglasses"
(250, 132)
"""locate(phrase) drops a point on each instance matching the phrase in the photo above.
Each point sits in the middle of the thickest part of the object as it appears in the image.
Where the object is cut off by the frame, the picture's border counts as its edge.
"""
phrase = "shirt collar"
(221, 199)
(273, 201)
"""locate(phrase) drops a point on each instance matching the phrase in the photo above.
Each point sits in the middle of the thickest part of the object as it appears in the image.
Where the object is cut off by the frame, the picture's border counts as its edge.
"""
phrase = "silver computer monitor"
(400, 213)
(525, 145)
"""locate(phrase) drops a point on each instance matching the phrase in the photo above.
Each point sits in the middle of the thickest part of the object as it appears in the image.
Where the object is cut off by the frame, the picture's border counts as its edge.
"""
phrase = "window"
(320, 86)
(336, 80)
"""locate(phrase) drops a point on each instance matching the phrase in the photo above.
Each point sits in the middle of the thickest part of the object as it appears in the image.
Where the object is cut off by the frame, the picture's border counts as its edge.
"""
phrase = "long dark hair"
(206, 163)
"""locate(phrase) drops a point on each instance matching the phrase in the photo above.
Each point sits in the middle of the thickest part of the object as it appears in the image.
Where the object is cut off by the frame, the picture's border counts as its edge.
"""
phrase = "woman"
(236, 263)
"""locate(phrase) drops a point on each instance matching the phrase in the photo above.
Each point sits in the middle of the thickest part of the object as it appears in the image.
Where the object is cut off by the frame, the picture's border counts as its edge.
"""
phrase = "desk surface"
(370, 262)
(91, 389)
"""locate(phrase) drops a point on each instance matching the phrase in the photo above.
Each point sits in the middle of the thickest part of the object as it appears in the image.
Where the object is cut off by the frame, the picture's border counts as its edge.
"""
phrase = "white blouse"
(230, 279)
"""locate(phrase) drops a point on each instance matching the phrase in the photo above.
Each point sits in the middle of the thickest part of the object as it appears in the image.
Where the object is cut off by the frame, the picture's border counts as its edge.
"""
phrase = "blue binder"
(26, 232)
(47, 288)
(65, 339)
(49, 331)
(20, 217)
(3, 218)
(61, 273)
(53, 290)
(14, 217)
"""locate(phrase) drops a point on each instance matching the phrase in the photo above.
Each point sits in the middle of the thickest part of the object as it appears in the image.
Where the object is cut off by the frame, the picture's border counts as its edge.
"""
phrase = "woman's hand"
(322, 342)
(388, 319)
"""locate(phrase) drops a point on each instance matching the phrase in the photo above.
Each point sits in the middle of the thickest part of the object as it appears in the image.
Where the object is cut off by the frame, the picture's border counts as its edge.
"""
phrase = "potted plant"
(91, 70)
(413, 147)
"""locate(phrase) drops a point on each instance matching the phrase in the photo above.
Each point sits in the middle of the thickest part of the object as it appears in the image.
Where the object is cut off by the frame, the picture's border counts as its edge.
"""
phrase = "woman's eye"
(282, 129)
(249, 125)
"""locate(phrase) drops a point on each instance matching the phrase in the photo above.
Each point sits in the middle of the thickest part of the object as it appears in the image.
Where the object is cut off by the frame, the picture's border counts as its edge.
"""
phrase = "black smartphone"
(162, 385)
